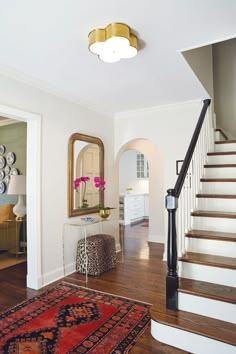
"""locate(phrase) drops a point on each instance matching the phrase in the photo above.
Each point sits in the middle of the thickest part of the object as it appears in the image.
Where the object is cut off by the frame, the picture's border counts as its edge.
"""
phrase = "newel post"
(172, 276)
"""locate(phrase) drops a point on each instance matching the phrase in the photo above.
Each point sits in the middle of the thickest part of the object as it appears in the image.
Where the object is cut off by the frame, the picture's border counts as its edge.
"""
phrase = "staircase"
(205, 321)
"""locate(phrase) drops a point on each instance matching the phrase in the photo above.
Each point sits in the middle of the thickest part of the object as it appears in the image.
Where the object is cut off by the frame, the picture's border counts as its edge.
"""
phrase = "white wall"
(224, 64)
(201, 62)
(169, 129)
(128, 174)
(60, 119)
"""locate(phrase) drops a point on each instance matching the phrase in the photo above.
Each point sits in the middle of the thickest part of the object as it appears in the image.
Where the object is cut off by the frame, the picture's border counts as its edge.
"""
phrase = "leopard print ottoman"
(101, 254)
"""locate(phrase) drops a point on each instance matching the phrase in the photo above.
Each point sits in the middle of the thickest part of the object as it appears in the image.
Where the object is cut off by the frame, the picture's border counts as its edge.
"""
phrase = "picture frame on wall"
(179, 164)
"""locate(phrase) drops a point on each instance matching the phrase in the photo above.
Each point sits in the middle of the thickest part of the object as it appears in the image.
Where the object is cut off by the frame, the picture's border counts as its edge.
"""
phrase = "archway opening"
(155, 193)
(134, 188)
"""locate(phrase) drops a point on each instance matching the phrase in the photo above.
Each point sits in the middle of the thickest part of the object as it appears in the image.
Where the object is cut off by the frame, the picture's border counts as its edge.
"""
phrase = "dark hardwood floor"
(141, 276)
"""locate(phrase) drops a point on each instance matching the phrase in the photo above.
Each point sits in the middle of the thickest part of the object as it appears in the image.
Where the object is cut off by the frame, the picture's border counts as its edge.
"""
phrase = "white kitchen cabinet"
(146, 205)
(142, 166)
(132, 208)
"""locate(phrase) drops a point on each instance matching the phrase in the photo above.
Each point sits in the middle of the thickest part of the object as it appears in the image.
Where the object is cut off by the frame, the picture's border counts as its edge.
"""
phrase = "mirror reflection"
(86, 164)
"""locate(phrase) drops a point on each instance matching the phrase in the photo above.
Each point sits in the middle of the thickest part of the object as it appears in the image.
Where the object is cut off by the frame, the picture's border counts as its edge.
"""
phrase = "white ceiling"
(44, 43)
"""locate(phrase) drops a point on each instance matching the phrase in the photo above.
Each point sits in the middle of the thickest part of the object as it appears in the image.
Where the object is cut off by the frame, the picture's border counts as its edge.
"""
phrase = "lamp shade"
(17, 185)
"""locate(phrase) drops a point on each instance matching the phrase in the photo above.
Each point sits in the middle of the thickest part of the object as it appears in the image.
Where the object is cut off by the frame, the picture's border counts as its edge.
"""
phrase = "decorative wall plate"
(2, 187)
(14, 171)
(7, 170)
(2, 149)
(2, 161)
(7, 179)
(2, 175)
(11, 158)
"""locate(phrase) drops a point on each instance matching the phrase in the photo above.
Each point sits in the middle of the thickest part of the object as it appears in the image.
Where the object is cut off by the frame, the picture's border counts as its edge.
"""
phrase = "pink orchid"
(78, 180)
(99, 182)
(76, 185)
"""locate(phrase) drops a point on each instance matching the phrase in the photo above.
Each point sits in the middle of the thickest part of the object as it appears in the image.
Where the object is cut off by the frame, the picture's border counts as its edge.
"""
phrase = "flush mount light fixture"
(112, 43)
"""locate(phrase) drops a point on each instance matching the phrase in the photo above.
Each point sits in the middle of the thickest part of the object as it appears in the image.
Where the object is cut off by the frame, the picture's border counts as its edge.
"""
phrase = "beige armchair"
(6, 213)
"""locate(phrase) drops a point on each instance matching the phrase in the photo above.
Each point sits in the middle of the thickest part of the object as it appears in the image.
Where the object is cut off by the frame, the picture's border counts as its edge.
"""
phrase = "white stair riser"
(214, 172)
(216, 275)
(191, 342)
(219, 310)
(216, 204)
(225, 147)
(218, 187)
(214, 224)
(221, 159)
(214, 247)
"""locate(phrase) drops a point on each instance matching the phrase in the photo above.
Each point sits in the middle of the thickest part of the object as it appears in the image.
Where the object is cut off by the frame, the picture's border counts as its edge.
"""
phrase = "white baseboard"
(34, 283)
(118, 247)
(156, 238)
(69, 268)
(50, 277)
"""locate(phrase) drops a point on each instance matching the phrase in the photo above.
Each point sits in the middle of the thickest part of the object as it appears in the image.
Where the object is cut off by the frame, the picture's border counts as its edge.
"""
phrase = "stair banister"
(171, 203)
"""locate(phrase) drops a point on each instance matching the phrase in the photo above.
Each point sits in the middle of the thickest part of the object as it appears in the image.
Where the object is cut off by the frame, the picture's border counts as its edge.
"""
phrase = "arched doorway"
(156, 184)
(134, 188)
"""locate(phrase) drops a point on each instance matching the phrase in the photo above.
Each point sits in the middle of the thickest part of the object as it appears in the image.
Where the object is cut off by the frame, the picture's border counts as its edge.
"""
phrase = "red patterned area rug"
(73, 319)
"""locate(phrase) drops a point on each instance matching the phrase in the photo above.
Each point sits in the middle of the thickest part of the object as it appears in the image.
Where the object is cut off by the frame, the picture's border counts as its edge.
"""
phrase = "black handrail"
(180, 180)
(171, 206)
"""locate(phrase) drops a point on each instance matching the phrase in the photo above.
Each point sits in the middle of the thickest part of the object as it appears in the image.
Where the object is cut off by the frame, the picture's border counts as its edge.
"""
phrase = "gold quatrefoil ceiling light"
(112, 43)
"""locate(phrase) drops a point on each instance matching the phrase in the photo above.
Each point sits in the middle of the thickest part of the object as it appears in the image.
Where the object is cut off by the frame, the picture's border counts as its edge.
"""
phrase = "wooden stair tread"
(226, 142)
(218, 179)
(214, 214)
(220, 196)
(221, 153)
(221, 165)
(209, 290)
(212, 235)
(209, 259)
(202, 325)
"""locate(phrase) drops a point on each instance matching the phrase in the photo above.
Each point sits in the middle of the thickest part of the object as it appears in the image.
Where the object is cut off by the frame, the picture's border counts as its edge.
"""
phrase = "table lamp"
(17, 186)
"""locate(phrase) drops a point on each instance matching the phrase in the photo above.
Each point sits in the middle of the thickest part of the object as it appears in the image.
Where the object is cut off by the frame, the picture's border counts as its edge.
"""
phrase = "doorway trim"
(33, 196)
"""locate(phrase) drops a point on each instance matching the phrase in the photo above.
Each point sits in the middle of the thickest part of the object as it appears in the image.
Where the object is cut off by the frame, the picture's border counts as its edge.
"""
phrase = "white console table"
(73, 231)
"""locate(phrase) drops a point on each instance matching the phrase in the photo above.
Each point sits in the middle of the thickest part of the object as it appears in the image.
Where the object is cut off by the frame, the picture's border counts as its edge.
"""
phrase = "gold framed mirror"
(85, 161)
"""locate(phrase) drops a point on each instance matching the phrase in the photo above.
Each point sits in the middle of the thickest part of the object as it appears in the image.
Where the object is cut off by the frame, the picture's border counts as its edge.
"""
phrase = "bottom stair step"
(194, 333)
